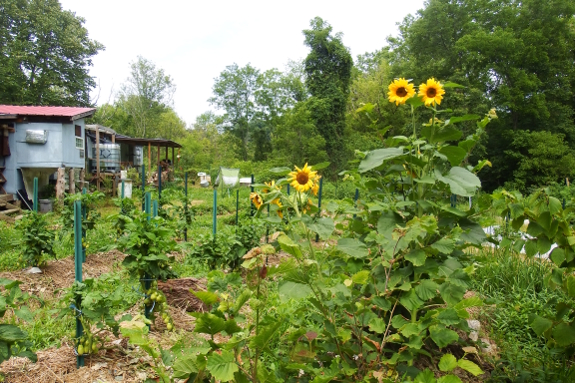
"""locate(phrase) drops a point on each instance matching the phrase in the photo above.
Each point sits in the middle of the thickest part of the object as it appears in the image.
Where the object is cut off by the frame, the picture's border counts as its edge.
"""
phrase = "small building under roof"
(36, 141)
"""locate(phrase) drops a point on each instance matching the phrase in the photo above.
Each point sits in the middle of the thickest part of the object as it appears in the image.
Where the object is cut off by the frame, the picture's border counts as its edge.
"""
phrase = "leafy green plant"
(549, 225)
(14, 341)
(148, 244)
(227, 248)
(37, 239)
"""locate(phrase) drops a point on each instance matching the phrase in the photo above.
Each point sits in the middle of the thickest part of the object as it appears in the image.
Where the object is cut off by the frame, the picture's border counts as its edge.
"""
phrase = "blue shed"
(35, 141)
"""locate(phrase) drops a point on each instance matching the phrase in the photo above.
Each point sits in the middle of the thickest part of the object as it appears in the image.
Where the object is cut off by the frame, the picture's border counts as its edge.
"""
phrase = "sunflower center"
(302, 178)
(401, 92)
(431, 92)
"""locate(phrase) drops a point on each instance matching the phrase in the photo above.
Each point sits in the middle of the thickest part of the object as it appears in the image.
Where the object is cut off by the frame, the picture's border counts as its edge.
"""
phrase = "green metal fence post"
(78, 254)
(355, 198)
(237, 208)
(319, 203)
(147, 205)
(35, 205)
(186, 206)
(155, 210)
(215, 219)
(143, 185)
(159, 182)
(122, 195)
(252, 206)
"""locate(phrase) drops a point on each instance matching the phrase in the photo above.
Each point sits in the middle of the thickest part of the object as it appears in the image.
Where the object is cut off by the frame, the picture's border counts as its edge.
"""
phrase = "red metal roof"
(55, 111)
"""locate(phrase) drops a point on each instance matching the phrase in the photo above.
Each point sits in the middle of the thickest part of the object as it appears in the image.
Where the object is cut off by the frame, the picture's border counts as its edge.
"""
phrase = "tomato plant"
(37, 239)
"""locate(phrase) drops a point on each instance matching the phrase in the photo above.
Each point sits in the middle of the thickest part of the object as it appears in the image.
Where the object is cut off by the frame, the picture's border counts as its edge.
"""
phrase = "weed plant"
(516, 285)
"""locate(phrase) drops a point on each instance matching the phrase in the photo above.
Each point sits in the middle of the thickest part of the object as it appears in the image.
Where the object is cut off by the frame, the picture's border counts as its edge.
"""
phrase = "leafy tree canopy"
(45, 54)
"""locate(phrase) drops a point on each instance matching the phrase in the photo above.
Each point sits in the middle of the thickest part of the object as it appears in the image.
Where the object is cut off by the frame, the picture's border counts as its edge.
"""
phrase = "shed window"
(79, 139)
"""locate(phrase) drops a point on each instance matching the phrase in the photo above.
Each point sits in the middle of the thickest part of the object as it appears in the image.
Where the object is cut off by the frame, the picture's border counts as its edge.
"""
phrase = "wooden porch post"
(149, 157)
(72, 181)
(167, 156)
(60, 185)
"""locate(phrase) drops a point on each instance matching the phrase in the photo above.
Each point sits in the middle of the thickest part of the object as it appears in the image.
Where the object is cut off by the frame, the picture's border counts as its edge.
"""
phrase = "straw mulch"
(59, 274)
(178, 293)
(59, 365)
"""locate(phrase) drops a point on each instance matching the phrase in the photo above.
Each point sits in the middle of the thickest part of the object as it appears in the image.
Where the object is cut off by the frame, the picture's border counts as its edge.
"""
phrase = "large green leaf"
(10, 333)
(410, 300)
(448, 133)
(426, 289)
(447, 363)
(323, 227)
(467, 117)
(280, 171)
(207, 297)
(448, 317)
(208, 323)
(417, 257)
(24, 313)
(292, 290)
(289, 246)
(540, 324)
(377, 325)
(460, 180)
(183, 367)
(376, 157)
(425, 376)
(265, 335)
(442, 336)
(387, 222)
(449, 379)
(352, 247)
(454, 154)
(222, 366)
(564, 334)
(470, 367)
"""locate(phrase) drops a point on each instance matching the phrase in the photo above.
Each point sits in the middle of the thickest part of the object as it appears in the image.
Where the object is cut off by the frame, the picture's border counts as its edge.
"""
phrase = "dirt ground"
(59, 274)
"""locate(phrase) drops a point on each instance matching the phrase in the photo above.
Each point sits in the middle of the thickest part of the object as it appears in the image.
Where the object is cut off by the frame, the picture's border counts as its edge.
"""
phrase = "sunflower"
(270, 186)
(308, 206)
(302, 179)
(256, 200)
(400, 90)
(432, 92)
(315, 187)
(279, 204)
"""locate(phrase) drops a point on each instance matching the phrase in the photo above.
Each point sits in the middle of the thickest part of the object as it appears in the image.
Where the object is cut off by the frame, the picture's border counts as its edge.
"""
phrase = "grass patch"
(516, 286)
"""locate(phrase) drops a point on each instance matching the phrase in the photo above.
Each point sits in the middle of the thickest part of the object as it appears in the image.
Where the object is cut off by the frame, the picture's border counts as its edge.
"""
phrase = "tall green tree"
(328, 75)
(252, 101)
(516, 56)
(145, 96)
(45, 54)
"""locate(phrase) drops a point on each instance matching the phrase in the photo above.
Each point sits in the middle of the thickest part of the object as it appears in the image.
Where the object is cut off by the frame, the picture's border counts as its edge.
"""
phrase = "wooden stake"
(82, 177)
(149, 156)
(60, 185)
(72, 181)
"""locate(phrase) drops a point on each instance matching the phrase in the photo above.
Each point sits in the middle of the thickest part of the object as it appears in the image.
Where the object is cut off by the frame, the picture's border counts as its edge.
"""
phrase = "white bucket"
(123, 174)
(127, 189)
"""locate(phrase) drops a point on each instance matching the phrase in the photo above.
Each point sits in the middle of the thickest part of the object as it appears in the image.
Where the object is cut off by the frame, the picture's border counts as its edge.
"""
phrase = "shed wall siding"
(60, 149)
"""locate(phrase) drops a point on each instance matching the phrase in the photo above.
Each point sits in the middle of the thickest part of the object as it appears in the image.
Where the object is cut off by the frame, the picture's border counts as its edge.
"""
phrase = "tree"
(328, 74)
(516, 56)
(253, 101)
(45, 54)
(145, 96)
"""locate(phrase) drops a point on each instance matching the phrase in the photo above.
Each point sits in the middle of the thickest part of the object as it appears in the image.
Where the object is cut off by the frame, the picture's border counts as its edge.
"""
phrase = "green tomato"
(80, 350)
(170, 327)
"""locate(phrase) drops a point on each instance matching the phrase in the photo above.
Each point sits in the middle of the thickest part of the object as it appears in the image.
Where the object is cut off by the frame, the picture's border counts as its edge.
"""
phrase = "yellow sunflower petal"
(400, 90)
(431, 92)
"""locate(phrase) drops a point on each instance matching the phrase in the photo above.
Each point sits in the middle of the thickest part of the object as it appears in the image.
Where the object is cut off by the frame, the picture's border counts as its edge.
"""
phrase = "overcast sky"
(193, 41)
